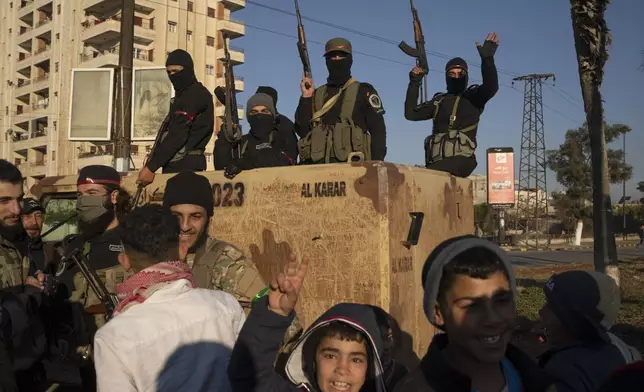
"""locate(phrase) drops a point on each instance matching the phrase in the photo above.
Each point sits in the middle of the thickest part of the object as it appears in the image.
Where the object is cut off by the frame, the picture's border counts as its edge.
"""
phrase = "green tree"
(640, 186)
(571, 163)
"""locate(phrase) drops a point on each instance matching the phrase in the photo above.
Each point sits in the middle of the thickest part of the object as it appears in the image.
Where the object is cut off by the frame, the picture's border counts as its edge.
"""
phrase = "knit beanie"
(189, 188)
(260, 99)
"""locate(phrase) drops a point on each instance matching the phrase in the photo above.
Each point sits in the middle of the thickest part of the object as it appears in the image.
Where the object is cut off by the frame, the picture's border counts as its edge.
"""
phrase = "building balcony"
(24, 7)
(25, 34)
(33, 169)
(22, 86)
(98, 32)
(41, 54)
(233, 28)
(236, 55)
(42, 26)
(220, 111)
(40, 82)
(239, 82)
(109, 7)
(234, 5)
(22, 59)
(26, 141)
(110, 58)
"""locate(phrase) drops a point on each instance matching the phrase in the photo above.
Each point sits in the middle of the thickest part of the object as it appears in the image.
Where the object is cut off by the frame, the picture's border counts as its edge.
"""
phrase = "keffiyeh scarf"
(140, 286)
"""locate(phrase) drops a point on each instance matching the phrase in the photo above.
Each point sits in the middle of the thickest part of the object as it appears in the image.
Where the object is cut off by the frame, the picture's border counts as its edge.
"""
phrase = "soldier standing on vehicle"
(284, 124)
(265, 145)
(452, 145)
(341, 117)
(216, 265)
(191, 120)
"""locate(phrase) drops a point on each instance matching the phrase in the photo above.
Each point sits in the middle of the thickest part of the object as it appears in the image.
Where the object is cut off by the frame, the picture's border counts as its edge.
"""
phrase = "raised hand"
(489, 46)
(307, 87)
(285, 287)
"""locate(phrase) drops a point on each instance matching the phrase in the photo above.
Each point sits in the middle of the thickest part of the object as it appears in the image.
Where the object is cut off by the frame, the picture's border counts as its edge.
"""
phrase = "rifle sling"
(331, 102)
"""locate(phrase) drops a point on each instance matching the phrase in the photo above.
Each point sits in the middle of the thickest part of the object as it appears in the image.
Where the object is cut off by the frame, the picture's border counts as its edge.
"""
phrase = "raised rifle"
(302, 47)
(419, 51)
(232, 129)
(160, 135)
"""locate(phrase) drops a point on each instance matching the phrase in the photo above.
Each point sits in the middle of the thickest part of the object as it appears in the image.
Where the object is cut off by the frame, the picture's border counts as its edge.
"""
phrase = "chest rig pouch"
(327, 142)
(454, 142)
(244, 147)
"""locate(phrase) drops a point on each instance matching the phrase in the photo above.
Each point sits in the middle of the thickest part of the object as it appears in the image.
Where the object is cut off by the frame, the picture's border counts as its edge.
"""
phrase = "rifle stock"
(302, 47)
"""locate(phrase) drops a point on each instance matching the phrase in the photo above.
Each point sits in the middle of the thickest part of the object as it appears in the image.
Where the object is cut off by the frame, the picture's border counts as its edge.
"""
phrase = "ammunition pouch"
(454, 142)
(327, 143)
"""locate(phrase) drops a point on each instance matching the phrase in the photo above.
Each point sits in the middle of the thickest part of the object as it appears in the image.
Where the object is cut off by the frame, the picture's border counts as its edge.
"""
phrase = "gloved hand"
(416, 74)
(488, 49)
(231, 171)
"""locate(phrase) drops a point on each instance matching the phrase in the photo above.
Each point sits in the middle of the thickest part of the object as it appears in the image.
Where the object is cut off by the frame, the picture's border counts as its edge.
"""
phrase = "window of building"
(211, 12)
(191, 6)
(134, 149)
(6, 110)
(210, 69)
(189, 35)
(57, 36)
(210, 41)
(53, 155)
(56, 66)
(172, 27)
(58, 9)
(9, 31)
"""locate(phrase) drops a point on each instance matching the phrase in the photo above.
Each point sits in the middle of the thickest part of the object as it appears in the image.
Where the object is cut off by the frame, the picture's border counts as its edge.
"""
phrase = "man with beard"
(265, 145)
(341, 117)
(33, 216)
(451, 147)
(216, 265)
(191, 121)
(14, 267)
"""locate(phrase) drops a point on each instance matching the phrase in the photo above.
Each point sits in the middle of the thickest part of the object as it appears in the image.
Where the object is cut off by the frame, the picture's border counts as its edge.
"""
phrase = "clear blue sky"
(536, 37)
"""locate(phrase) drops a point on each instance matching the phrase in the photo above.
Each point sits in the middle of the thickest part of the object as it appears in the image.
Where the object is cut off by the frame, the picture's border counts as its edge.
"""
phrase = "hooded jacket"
(251, 366)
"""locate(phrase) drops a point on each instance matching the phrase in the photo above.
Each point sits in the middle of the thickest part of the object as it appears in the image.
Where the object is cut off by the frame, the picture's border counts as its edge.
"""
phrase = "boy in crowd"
(162, 314)
(580, 308)
(340, 351)
(470, 294)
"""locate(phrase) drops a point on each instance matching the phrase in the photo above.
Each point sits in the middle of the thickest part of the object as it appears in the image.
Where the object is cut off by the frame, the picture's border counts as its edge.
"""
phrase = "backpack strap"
(349, 101)
(331, 102)
(205, 262)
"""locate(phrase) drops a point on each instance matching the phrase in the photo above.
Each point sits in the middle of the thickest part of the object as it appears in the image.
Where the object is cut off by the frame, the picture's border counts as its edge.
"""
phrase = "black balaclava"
(456, 85)
(186, 77)
(339, 70)
(261, 124)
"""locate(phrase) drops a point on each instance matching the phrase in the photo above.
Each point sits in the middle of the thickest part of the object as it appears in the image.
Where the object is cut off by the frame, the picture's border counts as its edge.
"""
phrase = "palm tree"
(592, 39)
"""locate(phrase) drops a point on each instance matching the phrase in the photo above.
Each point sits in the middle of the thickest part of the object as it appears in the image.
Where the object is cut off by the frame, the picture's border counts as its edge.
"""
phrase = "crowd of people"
(193, 313)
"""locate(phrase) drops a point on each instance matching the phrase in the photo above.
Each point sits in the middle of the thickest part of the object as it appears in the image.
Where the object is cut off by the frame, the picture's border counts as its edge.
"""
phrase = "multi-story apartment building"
(42, 40)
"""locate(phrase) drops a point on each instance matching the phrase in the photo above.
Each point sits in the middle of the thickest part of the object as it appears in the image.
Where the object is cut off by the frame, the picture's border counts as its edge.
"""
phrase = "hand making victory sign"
(489, 46)
(285, 287)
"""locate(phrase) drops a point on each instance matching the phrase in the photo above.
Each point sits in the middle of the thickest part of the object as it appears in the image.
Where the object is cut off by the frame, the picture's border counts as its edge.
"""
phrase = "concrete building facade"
(42, 40)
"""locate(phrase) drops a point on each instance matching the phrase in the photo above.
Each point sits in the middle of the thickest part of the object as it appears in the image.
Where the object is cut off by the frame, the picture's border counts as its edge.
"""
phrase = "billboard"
(151, 94)
(90, 112)
(500, 177)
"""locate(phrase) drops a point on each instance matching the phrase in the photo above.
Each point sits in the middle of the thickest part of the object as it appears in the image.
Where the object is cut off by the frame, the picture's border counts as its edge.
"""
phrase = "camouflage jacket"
(14, 267)
(219, 265)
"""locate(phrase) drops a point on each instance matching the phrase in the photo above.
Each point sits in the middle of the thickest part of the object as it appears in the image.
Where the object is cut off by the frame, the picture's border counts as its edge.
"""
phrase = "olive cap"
(337, 45)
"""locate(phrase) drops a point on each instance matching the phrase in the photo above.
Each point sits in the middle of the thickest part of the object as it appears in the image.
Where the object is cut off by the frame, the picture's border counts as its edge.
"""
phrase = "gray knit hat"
(260, 99)
(446, 252)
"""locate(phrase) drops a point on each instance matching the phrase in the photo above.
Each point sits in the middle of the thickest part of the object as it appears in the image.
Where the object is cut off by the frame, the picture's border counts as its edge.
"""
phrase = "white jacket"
(180, 338)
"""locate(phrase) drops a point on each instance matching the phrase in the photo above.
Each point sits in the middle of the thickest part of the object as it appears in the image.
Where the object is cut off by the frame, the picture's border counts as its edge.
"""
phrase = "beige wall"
(76, 42)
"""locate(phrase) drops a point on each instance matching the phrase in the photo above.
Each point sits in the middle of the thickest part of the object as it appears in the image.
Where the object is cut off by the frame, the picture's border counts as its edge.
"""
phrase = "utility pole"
(624, 234)
(532, 203)
(123, 123)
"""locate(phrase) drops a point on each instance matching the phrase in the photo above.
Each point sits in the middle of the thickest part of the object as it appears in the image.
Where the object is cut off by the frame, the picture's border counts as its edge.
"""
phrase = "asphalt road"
(582, 256)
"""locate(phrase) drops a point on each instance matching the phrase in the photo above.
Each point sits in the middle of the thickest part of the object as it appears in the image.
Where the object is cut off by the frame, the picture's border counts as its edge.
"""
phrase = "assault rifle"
(232, 129)
(71, 251)
(419, 51)
(301, 45)
(160, 136)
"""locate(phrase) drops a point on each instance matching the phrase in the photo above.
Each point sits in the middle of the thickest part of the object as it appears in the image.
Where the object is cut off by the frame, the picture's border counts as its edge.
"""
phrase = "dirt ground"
(630, 323)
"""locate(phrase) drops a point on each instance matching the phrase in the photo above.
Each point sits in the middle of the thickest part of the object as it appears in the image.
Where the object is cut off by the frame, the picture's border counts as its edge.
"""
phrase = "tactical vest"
(271, 138)
(335, 142)
(454, 142)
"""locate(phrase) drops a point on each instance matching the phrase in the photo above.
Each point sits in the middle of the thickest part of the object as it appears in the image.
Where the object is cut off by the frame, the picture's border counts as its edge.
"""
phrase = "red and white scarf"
(142, 285)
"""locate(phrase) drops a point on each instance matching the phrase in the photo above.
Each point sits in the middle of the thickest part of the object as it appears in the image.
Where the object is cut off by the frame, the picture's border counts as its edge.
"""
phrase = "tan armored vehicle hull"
(352, 220)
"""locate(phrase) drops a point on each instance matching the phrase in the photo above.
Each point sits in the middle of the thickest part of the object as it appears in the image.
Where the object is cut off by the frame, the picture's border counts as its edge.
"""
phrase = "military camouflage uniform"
(219, 265)
(13, 266)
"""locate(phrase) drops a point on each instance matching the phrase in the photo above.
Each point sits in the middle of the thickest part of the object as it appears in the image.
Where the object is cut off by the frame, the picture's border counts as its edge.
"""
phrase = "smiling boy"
(340, 352)
(470, 294)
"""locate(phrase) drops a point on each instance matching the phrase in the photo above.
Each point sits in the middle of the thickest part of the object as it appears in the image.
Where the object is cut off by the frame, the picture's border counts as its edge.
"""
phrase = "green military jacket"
(14, 267)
